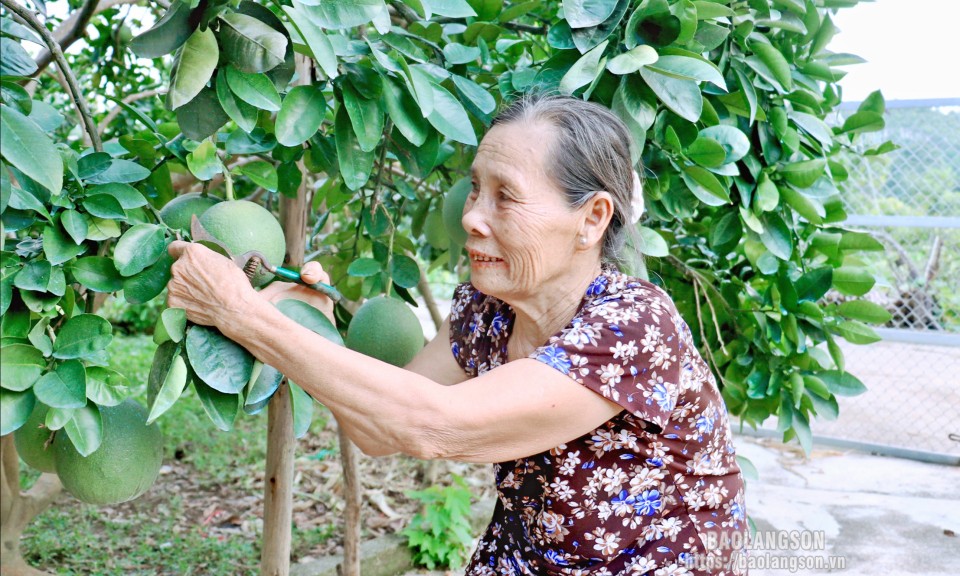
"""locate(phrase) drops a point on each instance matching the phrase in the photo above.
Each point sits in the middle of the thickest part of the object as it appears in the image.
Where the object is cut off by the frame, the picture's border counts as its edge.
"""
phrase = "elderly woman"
(610, 441)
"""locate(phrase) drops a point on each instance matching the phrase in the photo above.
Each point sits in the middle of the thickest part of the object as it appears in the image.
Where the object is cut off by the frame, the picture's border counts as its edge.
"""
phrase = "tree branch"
(127, 100)
(52, 44)
(71, 30)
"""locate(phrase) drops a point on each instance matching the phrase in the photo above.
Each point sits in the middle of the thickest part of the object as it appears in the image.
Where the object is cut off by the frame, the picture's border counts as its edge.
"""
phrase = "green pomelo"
(436, 231)
(31, 438)
(386, 329)
(243, 226)
(453, 210)
(177, 212)
(124, 466)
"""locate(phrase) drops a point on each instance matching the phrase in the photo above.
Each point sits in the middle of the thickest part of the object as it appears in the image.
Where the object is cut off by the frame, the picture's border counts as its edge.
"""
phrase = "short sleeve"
(624, 346)
(478, 327)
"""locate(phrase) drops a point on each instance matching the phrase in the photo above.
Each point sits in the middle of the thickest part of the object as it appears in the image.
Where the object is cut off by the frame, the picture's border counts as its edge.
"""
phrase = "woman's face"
(521, 232)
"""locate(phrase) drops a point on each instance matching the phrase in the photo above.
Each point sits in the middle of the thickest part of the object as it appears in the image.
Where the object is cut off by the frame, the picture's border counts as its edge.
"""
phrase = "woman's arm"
(516, 410)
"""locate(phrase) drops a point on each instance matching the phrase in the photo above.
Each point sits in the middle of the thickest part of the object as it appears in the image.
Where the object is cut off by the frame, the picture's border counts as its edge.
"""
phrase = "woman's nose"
(474, 218)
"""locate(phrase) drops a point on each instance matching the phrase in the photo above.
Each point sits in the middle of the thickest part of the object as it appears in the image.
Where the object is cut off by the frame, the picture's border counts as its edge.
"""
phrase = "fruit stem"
(228, 180)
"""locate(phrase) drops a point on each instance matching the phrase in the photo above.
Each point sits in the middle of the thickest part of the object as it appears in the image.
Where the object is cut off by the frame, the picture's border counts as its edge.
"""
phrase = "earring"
(583, 240)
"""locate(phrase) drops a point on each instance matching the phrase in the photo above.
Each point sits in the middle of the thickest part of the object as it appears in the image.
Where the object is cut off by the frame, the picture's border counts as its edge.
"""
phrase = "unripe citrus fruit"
(386, 329)
(31, 439)
(436, 231)
(124, 466)
(177, 212)
(453, 210)
(243, 226)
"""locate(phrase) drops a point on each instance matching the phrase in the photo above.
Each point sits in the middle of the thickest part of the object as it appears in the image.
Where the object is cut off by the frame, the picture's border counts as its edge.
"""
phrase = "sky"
(910, 47)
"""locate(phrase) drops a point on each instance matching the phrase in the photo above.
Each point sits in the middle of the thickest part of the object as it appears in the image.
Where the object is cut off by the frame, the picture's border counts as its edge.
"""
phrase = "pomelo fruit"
(453, 210)
(31, 438)
(177, 212)
(386, 329)
(124, 466)
(243, 226)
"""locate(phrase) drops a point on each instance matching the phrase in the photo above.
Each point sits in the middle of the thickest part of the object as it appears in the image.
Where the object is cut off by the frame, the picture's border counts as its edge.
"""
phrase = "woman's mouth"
(481, 258)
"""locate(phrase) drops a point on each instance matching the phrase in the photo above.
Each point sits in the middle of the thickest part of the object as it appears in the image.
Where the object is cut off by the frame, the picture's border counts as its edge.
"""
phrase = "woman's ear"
(597, 214)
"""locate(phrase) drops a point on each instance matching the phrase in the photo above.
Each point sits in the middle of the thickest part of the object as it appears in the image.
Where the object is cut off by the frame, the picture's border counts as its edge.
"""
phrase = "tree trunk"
(18, 508)
(278, 482)
(351, 513)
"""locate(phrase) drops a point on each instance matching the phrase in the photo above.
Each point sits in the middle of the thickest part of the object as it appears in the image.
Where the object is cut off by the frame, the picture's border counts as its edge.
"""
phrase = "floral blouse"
(655, 490)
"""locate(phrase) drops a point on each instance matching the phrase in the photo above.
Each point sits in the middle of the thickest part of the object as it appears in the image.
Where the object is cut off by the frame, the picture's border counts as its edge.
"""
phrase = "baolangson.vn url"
(766, 561)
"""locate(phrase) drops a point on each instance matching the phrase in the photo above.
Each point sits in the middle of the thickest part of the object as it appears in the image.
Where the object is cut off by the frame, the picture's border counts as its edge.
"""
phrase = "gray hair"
(591, 152)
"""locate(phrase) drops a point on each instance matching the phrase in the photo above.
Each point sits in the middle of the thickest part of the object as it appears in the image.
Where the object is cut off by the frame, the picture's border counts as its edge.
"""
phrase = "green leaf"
(688, 68)
(587, 38)
(705, 186)
(735, 143)
(58, 247)
(171, 326)
(302, 406)
(15, 409)
(405, 113)
(726, 233)
(853, 281)
(245, 115)
(706, 152)
(459, 54)
(85, 429)
(97, 273)
(355, 164)
(254, 89)
(146, 285)
(168, 34)
(201, 117)
(841, 383)
(170, 389)
(128, 196)
(101, 229)
(366, 117)
(300, 115)
(804, 174)
(204, 162)
(104, 206)
(221, 408)
(220, 362)
(363, 267)
(857, 332)
(652, 243)
(264, 382)
(82, 336)
(586, 13)
(474, 93)
(864, 311)
(64, 388)
(106, 387)
(57, 418)
(119, 170)
(776, 235)
(860, 241)
(308, 316)
(139, 247)
(35, 276)
(633, 60)
(449, 117)
(813, 126)
(775, 62)
(249, 44)
(452, 8)
(814, 284)
(262, 173)
(863, 122)
(342, 14)
(16, 60)
(20, 366)
(26, 146)
(17, 30)
(683, 97)
(194, 66)
(405, 271)
(584, 70)
(316, 40)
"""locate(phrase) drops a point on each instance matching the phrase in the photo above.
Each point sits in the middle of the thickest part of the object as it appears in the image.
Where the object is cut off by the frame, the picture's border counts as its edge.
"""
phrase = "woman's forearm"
(382, 408)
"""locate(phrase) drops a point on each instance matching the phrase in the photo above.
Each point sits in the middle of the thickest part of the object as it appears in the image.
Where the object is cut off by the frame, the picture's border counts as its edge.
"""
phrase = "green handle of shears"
(294, 276)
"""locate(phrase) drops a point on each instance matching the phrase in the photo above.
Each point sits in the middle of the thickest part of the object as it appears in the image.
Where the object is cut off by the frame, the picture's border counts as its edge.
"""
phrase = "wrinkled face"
(521, 232)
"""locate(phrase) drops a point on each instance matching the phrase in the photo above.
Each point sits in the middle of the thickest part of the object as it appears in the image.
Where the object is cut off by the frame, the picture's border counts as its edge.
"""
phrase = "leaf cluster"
(440, 535)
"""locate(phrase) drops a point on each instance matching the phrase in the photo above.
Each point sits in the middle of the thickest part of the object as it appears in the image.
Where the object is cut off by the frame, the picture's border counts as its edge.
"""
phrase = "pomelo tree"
(356, 121)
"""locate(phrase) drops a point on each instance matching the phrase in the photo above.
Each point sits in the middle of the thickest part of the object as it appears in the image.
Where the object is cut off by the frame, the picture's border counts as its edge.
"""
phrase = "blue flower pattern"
(643, 488)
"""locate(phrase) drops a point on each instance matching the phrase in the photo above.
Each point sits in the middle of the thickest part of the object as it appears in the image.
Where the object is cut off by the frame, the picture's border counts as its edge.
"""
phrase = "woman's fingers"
(312, 272)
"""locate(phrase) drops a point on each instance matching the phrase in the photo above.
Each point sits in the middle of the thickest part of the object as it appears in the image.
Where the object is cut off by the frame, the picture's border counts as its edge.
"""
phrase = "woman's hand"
(311, 273)
(207, 285)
